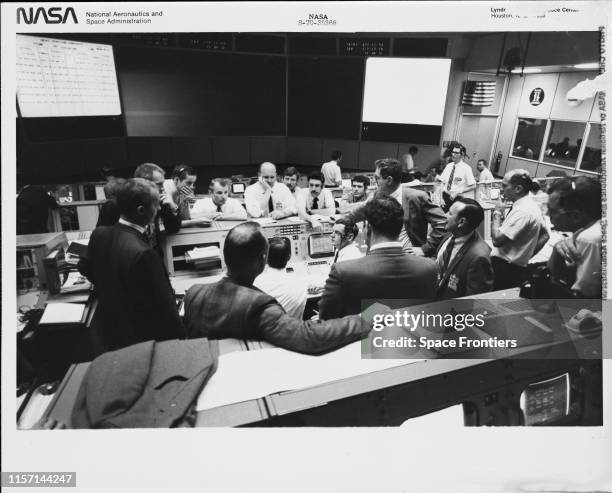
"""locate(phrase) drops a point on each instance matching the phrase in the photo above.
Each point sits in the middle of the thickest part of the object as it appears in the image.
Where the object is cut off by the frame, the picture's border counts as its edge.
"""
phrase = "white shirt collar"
(140, 229)
(397, 194)
(386, 244)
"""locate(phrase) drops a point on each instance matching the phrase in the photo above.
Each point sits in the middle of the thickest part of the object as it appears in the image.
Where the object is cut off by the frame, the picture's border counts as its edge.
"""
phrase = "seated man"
(219, 207)
(136, 301)
(360, 188)
(576, 262)
(267, 197)
(464, 259)
(181, 189)
(386, 272)
(233, 307)
(316, 201)
(289, 290)
(290, 179)
(419, 210)
(344, 233)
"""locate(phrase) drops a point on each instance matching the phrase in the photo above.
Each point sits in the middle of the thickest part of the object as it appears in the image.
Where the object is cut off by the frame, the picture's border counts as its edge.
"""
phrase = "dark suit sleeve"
(357, 215)
(479, 277)
(171, 220)
(437, 219)
(306, 336)
(331, 304)
(153, 282)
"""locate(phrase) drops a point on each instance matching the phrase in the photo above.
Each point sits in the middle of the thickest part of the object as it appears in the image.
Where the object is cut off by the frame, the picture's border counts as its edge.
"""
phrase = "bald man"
(269, 198)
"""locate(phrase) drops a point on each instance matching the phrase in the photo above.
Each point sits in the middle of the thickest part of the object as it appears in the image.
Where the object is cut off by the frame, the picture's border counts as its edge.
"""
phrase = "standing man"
(344, 233)
(316, 201)
(290, 179)
(485, 173)
(331, 170)
(419, 211)
(522, 233)
(408, 159)
(136, 300)
(219, 206)
(267, 197)
(457, 177)
(386, 272)
(464, 259)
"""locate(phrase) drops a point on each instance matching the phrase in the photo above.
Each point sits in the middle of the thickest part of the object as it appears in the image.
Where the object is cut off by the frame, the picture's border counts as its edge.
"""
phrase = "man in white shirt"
(457, 177)
(331, 170)
(316, 201)
(344, 233)
(290, 179)
(576, 261)
(219, 207)
(290, 290)
(485, 173)
(522, 233)
(267, 197)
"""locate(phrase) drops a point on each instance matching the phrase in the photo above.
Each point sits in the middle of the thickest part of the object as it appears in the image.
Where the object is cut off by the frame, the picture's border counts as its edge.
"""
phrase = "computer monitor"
(238, 187)
(347, 183)
(320, 245)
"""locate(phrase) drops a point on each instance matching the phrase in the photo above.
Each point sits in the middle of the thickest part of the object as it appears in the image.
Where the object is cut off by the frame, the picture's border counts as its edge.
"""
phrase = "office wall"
(553, 107)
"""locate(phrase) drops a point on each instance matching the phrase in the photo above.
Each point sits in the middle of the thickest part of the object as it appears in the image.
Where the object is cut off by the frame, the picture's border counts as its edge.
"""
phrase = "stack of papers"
(204, 257)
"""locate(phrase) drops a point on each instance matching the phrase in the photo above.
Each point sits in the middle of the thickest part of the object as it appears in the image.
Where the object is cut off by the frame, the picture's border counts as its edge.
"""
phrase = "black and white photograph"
(359, 242)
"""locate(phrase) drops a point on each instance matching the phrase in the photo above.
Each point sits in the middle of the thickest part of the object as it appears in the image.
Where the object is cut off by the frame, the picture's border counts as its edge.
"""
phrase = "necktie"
(446, 255)
(219, 208)
(270, 204)
(315, 203)
(450, 179)
(336, 257)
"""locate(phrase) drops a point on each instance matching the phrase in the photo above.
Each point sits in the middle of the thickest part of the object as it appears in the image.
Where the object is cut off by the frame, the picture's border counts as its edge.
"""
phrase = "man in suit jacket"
(464, 259)
(418, 210)
(135, 299)
(386, 272)
(233, 307)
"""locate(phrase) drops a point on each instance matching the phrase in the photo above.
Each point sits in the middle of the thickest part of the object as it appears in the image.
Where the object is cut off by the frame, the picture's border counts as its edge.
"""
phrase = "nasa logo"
(317, 16)
(52, 15)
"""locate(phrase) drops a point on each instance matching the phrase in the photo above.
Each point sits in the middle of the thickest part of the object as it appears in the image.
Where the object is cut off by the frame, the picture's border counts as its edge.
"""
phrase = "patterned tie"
(315, 203)
(219, 208)
(450, 179)
(446, 256)
(336, 257)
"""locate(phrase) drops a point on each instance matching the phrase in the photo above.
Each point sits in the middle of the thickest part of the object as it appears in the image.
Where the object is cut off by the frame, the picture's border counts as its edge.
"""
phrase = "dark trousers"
(507, 275)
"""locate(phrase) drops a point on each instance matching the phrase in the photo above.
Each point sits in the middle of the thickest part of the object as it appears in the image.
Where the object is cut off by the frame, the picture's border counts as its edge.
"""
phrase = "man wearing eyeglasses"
(457, 177)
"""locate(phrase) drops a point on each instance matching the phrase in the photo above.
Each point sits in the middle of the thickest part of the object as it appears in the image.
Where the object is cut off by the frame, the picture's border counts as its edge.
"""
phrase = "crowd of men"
(415, 251)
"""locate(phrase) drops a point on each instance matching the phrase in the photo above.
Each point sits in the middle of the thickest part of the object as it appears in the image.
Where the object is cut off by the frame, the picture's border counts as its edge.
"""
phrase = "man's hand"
(568, 251)
(265, 186)
(418, 251)
(187, 191)
(164, 198)
(277, 214)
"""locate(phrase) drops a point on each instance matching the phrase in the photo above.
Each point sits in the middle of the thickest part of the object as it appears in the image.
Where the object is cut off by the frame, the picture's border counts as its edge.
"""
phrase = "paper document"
(62, 313)
(199, 253)
(246, 375)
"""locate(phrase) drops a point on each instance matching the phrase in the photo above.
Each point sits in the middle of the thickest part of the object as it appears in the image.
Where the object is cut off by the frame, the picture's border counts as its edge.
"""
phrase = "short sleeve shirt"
(588, 268)
(522, 226)
(462, 177)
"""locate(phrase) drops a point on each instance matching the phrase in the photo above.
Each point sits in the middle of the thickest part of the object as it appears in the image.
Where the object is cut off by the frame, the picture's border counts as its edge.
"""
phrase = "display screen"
(406, 90)
(320, 245)
(61, 78)
(238, 187)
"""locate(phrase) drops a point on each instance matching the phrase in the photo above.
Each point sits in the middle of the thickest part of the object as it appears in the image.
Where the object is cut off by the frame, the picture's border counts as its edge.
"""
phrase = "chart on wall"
(404, 99)
(62, 78)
